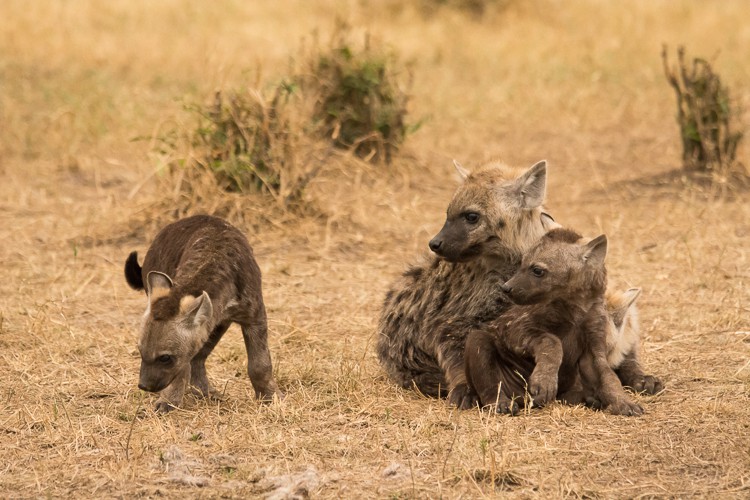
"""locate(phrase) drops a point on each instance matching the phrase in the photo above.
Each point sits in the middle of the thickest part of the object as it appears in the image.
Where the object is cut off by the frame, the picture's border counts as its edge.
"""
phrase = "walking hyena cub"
(623, 342)
(557, 331)
(200, 276)
(494, 217)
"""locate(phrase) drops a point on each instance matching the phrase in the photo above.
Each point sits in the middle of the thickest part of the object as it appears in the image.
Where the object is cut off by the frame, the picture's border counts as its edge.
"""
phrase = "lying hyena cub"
(557, 329)
(494, 217)
(200, 276)
(623, 342)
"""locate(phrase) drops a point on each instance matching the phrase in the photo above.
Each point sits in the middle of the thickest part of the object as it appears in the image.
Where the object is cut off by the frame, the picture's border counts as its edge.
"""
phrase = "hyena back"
(200, 276)
(494, 217)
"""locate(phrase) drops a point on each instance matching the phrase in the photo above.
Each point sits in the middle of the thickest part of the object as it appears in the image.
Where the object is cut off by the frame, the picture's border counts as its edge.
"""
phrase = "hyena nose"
(144, 387)
(435, 244)
(506, 288)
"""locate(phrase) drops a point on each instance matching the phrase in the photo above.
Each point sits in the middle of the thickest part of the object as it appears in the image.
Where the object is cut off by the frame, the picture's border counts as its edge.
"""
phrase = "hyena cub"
(623, 342)
(557, 330)
(494, 217)
(200, 276)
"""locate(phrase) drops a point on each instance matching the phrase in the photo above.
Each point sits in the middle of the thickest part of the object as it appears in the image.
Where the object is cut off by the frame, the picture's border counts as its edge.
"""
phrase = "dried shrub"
(359, 102)
(474, 8)
(705, 114)
(249, 142)
(277, 142)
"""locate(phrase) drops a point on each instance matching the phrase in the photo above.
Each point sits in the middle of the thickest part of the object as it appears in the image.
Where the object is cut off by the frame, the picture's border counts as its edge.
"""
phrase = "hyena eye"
(538, 271)
(164, 359)
(471, 217)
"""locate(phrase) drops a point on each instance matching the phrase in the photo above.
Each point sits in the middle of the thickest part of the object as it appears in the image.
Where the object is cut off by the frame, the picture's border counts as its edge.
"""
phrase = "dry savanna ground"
(578, 83)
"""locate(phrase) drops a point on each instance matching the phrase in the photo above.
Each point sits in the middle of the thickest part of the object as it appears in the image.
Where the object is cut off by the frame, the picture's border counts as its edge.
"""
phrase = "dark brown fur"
(428, 313)
(557, 330)
(200, 276)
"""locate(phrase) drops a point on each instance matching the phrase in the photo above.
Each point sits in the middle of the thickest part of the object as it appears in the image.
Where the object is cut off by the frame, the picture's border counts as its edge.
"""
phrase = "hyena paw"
(543, 389)
(207, 392)
(509, 407)
(625, 407)
(649, 384)
(593, 402)
(573, 397)
(462, 397)
(163, 407)
(267, 395)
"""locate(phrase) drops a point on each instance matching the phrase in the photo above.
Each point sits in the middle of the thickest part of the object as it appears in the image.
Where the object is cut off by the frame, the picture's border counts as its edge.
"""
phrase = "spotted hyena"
(623, 342)
(200, 276)
(552, 343)
(495, 215)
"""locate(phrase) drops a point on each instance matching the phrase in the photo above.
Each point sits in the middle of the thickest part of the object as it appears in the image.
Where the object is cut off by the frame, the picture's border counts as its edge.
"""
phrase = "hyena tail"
(133, 272)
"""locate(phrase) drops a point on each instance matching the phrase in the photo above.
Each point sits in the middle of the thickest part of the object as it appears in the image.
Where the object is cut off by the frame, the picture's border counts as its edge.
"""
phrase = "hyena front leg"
(631, 375)
(485, 375)
(259, 367)
(198, 377)
(171, 397)
(547, 351)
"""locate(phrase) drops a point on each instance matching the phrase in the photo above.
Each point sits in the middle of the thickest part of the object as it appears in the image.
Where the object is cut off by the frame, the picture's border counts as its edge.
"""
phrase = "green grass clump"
(243, 139)
(359, 103)
(249, 142)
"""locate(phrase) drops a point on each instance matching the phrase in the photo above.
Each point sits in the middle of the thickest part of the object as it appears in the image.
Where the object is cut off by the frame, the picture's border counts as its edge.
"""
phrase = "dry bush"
(704, 113)
(475, 8)
(360, 103)
(249, 143)
(276, 144)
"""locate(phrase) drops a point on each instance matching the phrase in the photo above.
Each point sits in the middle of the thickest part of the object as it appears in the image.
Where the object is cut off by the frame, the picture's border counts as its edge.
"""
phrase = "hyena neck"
(504, 264)
(578, 305)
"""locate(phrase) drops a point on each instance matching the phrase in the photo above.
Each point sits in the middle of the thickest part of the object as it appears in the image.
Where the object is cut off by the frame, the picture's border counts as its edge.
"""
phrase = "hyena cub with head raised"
(557, 330)
(494, 217)
(200, 276)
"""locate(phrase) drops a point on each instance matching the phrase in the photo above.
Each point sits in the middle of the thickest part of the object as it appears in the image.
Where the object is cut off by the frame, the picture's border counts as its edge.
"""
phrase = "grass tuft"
(704, 113)
(360, 104)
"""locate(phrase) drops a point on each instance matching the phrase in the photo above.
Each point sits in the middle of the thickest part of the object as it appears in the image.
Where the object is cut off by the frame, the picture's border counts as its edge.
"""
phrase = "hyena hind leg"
(198, 378)
(631, 375)
(259, 367)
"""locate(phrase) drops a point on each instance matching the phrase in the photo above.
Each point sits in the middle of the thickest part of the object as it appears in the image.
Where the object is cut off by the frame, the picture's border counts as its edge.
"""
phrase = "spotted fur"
(200, 276)
(430, 310)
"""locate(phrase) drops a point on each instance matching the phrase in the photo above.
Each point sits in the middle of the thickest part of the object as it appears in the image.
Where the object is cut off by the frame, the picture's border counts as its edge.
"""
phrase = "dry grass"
(580, 85)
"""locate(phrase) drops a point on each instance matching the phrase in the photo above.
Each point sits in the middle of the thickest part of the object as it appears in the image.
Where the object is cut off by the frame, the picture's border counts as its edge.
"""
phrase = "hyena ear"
(619, 308)
(461, 170)
(548, 223)
(532, 185)
(595, 251)
(158, 284)
(197, 311)
(630, 296)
